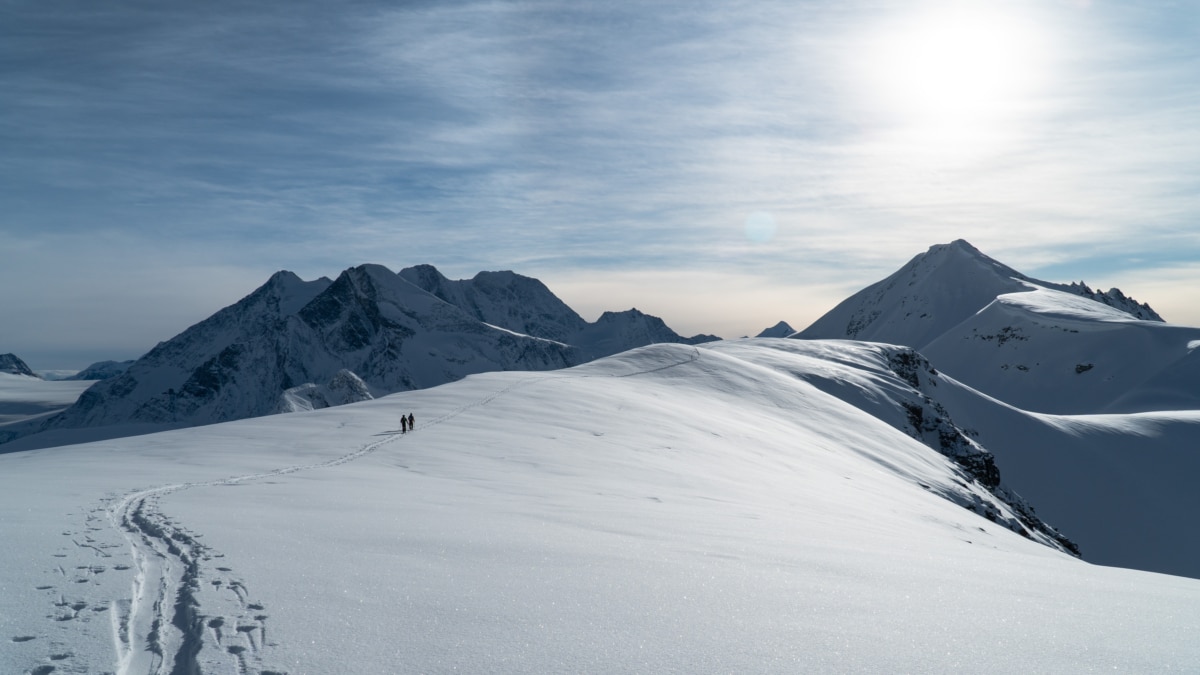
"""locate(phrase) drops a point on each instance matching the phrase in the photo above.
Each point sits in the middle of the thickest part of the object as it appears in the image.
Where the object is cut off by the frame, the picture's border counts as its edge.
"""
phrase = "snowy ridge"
(936, 291)
(1040, 346)
(524, 305)
(289, 345)
(675, 507)
(1049, 351)
(899, 386)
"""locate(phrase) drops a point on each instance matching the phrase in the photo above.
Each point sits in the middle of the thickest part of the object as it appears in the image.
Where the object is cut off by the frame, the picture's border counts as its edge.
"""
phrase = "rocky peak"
(10, 363)
(779, 330)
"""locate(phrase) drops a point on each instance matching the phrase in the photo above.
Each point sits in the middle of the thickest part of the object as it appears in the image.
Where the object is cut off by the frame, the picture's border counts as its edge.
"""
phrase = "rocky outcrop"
(929, 422)
(11, 364)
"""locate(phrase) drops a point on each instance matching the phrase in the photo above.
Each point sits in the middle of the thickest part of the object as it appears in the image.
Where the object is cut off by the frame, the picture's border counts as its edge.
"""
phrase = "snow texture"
(746, 506)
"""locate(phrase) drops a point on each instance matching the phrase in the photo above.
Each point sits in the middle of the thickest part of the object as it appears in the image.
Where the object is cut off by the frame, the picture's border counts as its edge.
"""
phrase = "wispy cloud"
(605, 144)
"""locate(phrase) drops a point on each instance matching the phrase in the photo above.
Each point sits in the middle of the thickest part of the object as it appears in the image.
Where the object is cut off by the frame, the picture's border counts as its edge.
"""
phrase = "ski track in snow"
(160, 629)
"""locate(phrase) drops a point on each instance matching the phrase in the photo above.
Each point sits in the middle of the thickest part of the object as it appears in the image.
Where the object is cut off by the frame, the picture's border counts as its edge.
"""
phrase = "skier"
(411, 423)
(403, 424)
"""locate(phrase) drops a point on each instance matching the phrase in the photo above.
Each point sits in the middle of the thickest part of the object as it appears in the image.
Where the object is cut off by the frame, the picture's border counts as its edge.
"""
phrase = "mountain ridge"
(293, 345)
(938, 289)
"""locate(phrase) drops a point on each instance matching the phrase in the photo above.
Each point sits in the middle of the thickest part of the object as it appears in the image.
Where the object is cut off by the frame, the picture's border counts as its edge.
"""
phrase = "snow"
(23, 397)
(669, 509)
(1121, 486)
(1054, 352)
(1054, 304)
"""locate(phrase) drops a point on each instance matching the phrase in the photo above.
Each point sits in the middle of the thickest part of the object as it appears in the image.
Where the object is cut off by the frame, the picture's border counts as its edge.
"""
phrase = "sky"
(723, 165)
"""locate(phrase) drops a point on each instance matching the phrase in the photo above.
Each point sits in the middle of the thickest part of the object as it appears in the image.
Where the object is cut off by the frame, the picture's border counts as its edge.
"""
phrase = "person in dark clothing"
(411, 423)
(403, 424)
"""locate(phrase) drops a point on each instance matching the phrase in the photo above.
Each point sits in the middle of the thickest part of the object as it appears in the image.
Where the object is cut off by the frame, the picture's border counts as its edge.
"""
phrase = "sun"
(951, 70)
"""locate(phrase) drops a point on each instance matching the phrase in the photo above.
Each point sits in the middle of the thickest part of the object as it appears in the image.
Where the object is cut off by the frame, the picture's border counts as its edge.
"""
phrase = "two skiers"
(407, 423)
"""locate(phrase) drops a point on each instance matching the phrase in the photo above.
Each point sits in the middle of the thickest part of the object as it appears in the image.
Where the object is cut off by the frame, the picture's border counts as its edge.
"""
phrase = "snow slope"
(1122, 486)
(1055, 352)
(670, 509)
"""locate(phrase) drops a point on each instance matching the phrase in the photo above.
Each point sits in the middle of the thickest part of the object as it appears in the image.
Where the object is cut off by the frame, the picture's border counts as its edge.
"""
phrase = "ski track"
(160, 629)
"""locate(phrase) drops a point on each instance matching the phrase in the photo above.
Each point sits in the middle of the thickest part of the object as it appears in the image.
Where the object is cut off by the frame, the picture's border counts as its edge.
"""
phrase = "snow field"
(673, 509)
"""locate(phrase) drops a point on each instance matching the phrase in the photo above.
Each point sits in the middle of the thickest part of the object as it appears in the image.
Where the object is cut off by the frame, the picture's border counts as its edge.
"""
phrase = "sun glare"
(953, 73)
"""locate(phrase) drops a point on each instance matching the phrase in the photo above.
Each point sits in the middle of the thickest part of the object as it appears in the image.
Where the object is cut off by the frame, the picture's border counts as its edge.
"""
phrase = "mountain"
(615, 332)
(721, 508)
(506, 299)
(779, 330)
(101, 370)
(296, 345)
(524, 305)
(11, 364)
(1041, 346)
(1053, 352)
(937, 290)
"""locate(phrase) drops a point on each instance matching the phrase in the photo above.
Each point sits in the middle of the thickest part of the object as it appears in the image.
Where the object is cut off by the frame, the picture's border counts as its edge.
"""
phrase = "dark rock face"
(1113, 297)
(9, 363)
(931, 424)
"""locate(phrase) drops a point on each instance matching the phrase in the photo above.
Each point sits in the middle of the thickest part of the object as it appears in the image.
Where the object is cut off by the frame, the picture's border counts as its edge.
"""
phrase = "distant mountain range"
(101, 370)
(295, 345)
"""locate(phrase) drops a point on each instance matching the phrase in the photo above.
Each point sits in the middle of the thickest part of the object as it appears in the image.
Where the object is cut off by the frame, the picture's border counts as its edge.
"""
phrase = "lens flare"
(760, 227)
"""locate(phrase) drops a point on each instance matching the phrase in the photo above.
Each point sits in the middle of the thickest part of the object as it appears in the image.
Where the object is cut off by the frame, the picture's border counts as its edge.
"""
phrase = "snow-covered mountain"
(13, 365)
(1041, 346)
(101, 370)
(745, 506)
(295, 345)
(937, 290)
(525, 305)
(779, 330)
(615, 332)
(1054, 352)
(506, 299)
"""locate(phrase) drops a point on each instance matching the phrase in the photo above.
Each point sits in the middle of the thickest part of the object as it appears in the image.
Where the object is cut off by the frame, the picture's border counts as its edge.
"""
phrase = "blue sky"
(723, 165)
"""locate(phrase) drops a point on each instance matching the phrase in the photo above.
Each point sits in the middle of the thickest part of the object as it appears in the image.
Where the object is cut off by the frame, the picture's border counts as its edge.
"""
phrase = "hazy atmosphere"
(722, 165)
